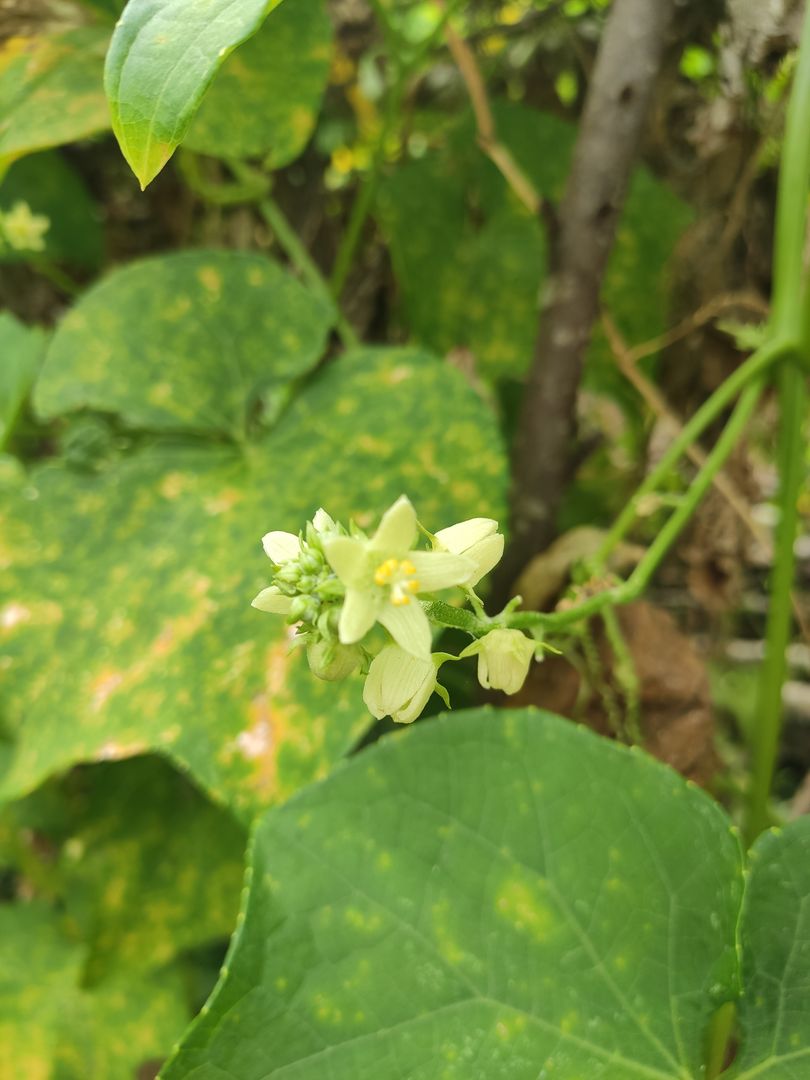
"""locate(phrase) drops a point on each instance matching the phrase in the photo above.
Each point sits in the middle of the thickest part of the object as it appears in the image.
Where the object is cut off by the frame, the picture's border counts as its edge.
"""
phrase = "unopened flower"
(383, 576)
(478, 540)
(331, 661)
(504, 658)
(300, 586)
(399, 685)
(24, 230)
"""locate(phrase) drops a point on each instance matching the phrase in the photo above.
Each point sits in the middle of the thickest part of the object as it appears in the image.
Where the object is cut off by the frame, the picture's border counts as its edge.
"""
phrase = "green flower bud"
(399, 685)
(332, 661)
(504, 658)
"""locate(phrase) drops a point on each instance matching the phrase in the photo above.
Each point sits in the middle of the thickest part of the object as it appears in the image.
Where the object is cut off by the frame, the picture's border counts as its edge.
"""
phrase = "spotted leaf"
(449, 904)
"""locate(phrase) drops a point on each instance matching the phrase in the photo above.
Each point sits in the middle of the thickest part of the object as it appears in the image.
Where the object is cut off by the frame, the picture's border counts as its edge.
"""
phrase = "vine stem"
(751, 369)
(300, 258)
(790, 322)
(634, 586)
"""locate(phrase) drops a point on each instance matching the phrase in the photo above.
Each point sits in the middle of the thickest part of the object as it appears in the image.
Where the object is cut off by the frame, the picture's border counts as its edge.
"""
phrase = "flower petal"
(357, 616)
(396, 532)
(457, 538)
(485, 554)
(408, 626)
(322, 521)
(347, 557)
(270, 599)
(281, 546)
(440, 569)
(398, 684)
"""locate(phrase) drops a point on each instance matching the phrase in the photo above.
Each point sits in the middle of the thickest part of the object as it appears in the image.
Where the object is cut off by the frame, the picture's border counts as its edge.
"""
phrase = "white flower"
(504, 658)
(280, 547)
(398, 685)
(383, 575)
(477, 539)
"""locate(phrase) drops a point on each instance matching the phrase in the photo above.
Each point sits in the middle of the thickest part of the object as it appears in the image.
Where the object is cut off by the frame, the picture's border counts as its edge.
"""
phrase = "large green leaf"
(493, 895)
(53, 1029)
(51, 91)
(775, 1008)
(21, 349)
(126, 622)
(52, 188)
(265, 100)
(143, 866)
(163, 55)
(203, 333)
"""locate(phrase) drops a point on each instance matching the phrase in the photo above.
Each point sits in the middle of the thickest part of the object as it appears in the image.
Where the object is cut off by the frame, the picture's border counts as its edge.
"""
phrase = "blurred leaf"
(265, 100)
(184, 342)
(162, 58)
(470, 261)
(52, 1028)
(21, 351)
(51, 187)
(144, 866)
(127, 594)
(775, 937)
(51, 91)
(449, 904)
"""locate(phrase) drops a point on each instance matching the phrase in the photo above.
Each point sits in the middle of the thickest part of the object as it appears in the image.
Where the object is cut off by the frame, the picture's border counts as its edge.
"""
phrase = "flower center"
(399, 575)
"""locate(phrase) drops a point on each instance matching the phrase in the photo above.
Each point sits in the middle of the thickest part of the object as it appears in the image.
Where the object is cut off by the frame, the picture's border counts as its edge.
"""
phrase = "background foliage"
(329, 295)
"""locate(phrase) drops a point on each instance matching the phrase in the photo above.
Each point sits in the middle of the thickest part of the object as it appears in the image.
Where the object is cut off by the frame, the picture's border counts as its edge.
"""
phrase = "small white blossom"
(477, 539)
(383, 576)
(399, 685)
(504, 658)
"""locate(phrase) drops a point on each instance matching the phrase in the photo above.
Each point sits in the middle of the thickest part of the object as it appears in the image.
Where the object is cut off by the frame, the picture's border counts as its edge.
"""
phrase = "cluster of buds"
(356, 602)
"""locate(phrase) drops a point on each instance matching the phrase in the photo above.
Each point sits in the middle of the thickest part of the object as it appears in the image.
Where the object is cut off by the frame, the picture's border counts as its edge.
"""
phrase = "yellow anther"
(385, 571)
(399, 599)
(412, 585)
(407, 567)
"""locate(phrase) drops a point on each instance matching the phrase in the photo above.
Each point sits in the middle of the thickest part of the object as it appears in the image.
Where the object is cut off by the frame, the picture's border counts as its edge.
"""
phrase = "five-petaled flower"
(384, 574)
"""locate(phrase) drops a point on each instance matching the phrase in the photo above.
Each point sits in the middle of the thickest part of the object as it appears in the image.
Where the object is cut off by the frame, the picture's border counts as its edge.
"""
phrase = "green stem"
(303, 261)
(793, 405)
(790, 321)
(754, 366)
(403, 68)
(634, 586)
(368, 190)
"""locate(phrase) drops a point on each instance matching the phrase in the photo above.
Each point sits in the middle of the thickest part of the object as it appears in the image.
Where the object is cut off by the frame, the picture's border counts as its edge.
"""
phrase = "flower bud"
(504, 658)
(331, 661)
(478, 540)
(398, 685)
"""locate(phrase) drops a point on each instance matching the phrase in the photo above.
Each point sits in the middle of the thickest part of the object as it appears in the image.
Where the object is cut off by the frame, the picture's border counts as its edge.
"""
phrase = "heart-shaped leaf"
(494, 895)
(126, 623)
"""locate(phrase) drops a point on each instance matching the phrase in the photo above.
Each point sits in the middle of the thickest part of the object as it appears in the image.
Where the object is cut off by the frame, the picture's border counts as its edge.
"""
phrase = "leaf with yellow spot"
(484, 946)
(52, 1026)
(162, 58)
(470, 259)
(265, 99)
(51, 91)
(138, 892)
(125, 623)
